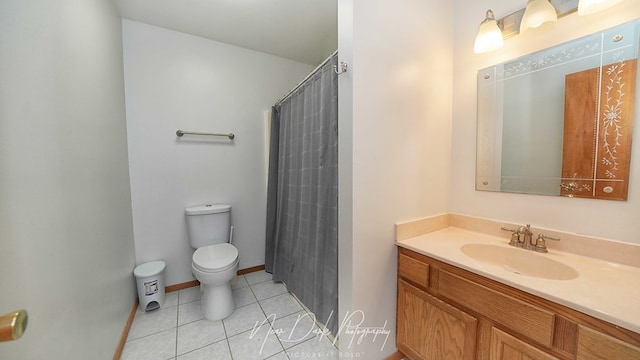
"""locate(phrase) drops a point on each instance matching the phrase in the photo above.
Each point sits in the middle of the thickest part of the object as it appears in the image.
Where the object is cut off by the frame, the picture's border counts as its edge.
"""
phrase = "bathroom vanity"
(452, 306)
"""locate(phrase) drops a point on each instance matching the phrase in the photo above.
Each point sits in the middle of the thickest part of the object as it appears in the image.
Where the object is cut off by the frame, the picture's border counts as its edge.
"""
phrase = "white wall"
(180, 81)
(401, 57)
(611, 219)
(66, 231)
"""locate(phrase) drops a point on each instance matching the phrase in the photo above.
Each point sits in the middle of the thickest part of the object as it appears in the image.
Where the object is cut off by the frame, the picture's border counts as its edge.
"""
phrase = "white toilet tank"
(208, 224)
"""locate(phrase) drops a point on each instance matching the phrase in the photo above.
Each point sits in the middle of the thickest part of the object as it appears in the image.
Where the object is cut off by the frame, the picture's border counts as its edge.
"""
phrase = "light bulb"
(537, 13)
(489, 35)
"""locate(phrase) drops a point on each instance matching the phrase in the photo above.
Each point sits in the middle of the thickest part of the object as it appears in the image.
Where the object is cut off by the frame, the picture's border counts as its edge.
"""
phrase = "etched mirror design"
(559, 121)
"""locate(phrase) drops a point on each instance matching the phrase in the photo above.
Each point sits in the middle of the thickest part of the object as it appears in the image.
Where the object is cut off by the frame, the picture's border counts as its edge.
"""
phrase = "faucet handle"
(541, 244)
(547, 237)
(515, 236)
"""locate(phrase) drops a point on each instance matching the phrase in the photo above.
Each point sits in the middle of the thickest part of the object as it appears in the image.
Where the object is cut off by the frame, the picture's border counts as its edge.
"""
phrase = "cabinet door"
(507, 347)
(430, 329)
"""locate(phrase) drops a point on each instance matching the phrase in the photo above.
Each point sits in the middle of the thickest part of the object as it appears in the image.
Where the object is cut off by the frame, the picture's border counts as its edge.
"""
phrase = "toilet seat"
(215, 258)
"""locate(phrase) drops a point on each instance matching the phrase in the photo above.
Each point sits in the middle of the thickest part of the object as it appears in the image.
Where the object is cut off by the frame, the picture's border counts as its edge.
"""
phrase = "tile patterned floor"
(178, 330)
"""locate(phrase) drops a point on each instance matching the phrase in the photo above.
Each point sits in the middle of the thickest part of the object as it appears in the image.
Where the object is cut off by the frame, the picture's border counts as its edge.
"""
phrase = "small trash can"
(150, 280)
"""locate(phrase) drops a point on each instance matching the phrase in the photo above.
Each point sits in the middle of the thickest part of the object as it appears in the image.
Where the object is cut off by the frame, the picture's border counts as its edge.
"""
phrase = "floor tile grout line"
(284, 350)
(269, 321)
(203, 346)
(259, 282)
(303, 308)
(332, 338)
(155, 331)
(242, 287)
(271, 297)
(226, 337)
(146, 336)
(252, 293)
(178, 326)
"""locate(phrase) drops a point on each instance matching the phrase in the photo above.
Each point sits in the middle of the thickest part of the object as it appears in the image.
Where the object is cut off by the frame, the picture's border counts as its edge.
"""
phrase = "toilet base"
(217, 301)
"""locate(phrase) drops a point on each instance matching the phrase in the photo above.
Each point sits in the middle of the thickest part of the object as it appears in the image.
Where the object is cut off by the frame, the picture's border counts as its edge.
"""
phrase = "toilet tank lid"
(207, 209)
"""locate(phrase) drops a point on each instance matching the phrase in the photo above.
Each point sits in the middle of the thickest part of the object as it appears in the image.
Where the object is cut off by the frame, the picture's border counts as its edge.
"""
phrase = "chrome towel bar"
(179, 133)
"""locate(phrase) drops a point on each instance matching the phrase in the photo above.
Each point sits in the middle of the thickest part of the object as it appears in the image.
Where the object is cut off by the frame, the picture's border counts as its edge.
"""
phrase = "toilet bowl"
(215, 266)
(215, 261)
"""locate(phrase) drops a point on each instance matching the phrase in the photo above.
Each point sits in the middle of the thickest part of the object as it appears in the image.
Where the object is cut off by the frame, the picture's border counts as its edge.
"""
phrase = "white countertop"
(604, 290)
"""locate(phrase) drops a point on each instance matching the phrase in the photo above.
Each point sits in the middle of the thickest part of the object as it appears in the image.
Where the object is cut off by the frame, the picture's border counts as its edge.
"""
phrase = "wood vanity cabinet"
(447, 313)
(444, 331)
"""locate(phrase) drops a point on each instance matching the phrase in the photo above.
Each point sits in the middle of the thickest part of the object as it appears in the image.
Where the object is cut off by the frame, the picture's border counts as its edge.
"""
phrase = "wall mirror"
(559, 121)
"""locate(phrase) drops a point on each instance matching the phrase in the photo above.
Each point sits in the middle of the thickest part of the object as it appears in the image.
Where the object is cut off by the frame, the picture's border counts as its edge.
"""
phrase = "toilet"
(215, 261)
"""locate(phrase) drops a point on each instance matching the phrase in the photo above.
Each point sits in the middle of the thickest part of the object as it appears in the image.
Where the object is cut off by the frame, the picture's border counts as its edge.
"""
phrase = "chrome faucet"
(522, 237)
(527, 236)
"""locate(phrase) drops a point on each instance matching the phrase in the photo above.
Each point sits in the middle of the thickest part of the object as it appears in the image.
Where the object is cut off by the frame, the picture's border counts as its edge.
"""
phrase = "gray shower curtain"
(302, 196)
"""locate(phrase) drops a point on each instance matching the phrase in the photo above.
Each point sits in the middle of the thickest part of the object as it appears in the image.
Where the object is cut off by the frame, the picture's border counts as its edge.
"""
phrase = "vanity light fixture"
(536, 13)
(492, 32)
(489, 35)
(586, 7)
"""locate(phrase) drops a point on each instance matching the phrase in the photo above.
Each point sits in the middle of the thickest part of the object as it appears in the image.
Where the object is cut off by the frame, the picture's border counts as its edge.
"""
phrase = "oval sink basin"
(520, 261)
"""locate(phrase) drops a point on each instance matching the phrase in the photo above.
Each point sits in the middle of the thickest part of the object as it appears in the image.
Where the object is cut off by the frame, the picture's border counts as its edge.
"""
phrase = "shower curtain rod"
(305, 79)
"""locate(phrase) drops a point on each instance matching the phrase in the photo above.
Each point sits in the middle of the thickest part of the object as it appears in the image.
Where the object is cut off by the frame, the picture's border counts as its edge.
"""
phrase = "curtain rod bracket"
(310, 75)
(343, 68)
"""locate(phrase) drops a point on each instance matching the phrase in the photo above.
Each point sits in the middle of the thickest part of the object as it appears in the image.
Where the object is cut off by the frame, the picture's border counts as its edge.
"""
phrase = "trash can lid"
(149, 269)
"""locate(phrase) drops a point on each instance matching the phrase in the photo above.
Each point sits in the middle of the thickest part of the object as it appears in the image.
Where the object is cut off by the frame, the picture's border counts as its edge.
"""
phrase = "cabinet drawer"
(413, 270)
(593, 345)
(517, 315)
